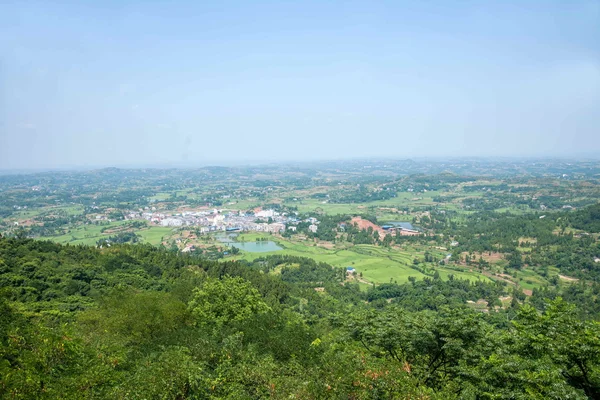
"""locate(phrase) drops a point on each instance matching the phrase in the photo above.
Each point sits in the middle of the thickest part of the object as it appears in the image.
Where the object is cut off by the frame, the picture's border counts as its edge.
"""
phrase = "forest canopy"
(135, 321)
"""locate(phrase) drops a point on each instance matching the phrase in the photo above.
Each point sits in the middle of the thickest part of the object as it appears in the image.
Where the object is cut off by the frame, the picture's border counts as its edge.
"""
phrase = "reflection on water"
(399, 224)
(252, 247)
(257, 247)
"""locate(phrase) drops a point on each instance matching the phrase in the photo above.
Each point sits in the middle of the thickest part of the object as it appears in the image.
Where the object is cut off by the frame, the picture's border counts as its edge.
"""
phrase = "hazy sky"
(93, 83)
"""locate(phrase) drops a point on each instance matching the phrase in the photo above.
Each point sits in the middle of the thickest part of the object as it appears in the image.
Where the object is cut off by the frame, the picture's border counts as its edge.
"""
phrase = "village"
(207, 221)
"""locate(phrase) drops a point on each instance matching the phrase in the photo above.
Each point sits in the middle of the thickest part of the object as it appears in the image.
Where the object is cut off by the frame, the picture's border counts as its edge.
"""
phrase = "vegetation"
(137, 322)
(497, 296)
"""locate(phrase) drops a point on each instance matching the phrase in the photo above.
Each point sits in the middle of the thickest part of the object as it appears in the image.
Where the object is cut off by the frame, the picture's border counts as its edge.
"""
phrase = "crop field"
(90, 234)
(241, 204)
(154, 234)
(472, 276)
(377, 264)
(310, 205)
(529, 279)
(160, 196)
(403, 199)
(84, 234)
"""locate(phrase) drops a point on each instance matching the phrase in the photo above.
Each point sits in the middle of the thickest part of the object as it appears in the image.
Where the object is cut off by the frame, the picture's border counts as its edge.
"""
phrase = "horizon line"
(255, 163)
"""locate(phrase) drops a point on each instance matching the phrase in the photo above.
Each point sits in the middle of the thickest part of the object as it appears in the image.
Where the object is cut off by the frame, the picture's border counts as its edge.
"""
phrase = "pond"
(257, 247)
(399, 224)
(252, 247)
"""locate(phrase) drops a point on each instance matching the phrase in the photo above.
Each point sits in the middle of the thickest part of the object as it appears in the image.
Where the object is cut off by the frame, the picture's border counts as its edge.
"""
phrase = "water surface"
(252, 247)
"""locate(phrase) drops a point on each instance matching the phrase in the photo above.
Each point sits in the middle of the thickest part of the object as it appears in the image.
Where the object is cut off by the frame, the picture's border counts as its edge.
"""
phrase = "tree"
(137, 317)
(219, 302)
(558, 336)
(514, 260)
(387, 240)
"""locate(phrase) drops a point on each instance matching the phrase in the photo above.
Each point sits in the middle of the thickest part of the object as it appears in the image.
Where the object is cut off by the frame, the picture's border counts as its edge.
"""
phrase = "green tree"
(231, 299)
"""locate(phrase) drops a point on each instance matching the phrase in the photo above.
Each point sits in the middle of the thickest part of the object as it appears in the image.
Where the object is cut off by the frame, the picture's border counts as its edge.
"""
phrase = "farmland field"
(377, 265)
(90, 234)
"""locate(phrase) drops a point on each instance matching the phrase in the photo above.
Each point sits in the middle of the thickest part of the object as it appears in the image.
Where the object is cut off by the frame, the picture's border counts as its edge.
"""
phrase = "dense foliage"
(134, 321)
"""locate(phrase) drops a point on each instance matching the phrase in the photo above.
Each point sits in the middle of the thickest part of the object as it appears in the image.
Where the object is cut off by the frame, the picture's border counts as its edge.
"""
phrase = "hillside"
(135, 321)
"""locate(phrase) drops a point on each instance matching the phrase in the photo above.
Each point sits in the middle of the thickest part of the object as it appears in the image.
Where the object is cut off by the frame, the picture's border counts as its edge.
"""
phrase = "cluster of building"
(385, 229)
(216, 220)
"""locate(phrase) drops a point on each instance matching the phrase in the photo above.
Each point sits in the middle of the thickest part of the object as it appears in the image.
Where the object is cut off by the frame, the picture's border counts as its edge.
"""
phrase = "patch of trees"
(587, 219)
(433, 293)
(120, 238)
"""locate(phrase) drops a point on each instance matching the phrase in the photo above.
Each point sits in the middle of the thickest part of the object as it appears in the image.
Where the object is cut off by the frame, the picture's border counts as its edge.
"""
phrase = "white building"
(265, 214)
(276, 227)
(171, 222)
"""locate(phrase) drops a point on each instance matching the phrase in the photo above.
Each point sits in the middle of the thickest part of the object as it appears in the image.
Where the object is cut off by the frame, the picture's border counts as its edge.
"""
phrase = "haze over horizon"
(193, 83)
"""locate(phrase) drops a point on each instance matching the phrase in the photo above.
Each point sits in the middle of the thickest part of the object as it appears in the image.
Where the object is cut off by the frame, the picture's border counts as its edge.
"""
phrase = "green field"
(84, 234)
(529, 279)
(377, 264)
(90, 234)
(402, 200)
(154, 234)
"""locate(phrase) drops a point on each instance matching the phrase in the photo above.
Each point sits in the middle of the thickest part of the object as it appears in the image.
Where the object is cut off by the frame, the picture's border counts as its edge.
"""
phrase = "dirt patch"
(491, 258)
(505, 276)
(497, 277)
(365, 224)
(118, 230)
(568, 278)
(326, 245)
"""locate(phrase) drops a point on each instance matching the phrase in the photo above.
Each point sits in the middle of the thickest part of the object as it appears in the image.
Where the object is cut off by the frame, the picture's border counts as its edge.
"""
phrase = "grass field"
(68, 210)
(377, 264)
(154, 234)
(160, 196)
(402, 200)
(90, 234)
(83, 234)
(529, 279)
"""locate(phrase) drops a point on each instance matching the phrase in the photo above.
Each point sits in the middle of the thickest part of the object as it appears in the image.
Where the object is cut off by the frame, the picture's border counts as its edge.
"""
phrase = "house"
(275, 227)
(596, 259)
(171, 222)
(350, 270)
(188, 249)
(408, 232)
(313, 228)
(292, 228)
(265, 214)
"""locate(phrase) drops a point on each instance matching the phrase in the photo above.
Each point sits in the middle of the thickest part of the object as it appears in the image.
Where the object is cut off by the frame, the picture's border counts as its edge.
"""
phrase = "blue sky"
(190, 83)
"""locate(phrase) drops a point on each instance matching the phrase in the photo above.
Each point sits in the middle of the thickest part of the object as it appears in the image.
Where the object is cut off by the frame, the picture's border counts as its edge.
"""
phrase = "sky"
(144, 83)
